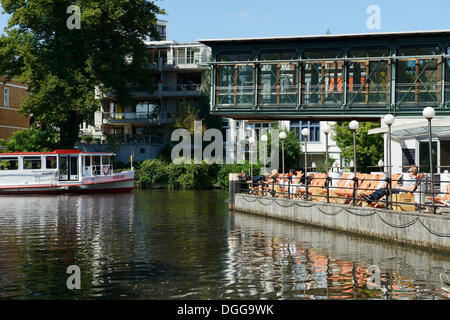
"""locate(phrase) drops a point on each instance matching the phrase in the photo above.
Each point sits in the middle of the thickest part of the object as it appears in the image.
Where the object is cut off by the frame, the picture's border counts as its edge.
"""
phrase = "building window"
(259, 127)
(313, 126)
(6, 98)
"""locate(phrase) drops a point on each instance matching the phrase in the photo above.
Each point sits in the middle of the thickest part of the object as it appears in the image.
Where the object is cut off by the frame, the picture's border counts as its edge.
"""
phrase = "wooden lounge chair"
(383, 184)
(317, 184)
(443, 198)
(346, 181)
(346, 195)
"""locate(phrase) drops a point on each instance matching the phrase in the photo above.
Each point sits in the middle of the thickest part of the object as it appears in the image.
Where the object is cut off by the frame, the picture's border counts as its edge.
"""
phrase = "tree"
(31, 140)
(63, 66)
(190, 111)
(369, 148)
(292, 149)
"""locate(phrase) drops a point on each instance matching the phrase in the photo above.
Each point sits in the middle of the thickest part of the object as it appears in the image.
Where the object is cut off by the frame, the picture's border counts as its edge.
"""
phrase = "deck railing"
(350, 190)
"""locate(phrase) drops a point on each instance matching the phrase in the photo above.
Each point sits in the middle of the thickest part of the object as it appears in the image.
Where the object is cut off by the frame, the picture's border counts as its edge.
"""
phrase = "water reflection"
(291, 261)
(169, 245)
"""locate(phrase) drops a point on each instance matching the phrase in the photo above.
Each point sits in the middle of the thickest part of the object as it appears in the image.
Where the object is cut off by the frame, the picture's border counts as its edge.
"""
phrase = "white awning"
(439, 128)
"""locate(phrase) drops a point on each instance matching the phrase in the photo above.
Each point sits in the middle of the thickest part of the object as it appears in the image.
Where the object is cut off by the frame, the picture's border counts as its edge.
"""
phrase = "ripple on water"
(186, 245)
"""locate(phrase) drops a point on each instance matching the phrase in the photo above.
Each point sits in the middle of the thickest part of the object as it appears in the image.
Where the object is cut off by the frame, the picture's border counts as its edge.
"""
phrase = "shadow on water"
(186, 245)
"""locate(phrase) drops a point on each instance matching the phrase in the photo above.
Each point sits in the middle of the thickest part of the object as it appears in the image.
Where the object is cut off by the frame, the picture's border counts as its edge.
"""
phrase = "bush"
(32, 140)
(226, 169)
(151, 173)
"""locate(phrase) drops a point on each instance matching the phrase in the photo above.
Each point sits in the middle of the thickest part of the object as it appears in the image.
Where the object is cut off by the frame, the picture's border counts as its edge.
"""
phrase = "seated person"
(296, 183)
(264, 178)
(408, 186)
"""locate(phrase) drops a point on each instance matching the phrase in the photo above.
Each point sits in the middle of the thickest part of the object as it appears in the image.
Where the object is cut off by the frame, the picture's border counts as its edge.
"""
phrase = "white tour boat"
(61, 171)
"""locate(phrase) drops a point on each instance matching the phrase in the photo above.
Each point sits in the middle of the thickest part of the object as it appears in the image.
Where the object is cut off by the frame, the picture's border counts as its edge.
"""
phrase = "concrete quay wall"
(412, 228)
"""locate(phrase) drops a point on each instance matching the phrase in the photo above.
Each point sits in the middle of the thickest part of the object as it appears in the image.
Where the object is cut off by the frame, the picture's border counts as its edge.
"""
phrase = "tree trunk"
(69, 131)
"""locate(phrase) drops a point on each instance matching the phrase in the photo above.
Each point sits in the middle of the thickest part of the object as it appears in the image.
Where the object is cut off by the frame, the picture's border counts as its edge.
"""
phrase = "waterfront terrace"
(335, 77)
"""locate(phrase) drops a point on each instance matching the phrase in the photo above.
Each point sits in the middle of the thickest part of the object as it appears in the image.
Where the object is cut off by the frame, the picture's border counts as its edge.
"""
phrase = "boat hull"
(111, 184)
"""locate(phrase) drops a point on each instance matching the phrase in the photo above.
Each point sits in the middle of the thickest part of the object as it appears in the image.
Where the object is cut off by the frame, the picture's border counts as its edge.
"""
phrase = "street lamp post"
(282, 136)
(354, 126)
(264, 139)
(381, 164)
(429, 114)
(305, 134)
(251, 142)
(389, 120)
(326, 129)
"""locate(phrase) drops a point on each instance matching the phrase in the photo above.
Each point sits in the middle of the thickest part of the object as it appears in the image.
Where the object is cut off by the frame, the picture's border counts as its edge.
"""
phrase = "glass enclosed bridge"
(331, 76)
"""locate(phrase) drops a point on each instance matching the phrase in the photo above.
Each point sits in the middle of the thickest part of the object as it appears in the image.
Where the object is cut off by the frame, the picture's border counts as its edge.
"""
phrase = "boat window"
(73, 166)
(50, 162)
(105, 160)
(32, 163)
(87, 161)
(9, 163)
(96, 162)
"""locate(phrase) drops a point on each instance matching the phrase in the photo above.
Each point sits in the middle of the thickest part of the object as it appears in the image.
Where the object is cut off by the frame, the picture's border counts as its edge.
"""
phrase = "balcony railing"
(137, 138)
(188, 62)
(136, 117)
(181, 87)
(169, 90)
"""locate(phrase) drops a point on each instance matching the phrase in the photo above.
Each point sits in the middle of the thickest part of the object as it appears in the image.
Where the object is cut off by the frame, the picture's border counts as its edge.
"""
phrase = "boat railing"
(98, 170)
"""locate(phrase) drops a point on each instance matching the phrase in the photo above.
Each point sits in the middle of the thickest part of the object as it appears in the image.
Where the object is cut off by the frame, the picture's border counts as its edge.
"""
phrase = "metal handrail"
(270, 188)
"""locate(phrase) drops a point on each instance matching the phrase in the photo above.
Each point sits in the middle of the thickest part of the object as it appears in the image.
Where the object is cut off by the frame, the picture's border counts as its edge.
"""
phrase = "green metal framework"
(333, 77)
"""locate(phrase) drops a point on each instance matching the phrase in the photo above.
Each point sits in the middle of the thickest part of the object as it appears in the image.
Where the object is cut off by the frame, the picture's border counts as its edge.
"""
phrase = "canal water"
(187, 245)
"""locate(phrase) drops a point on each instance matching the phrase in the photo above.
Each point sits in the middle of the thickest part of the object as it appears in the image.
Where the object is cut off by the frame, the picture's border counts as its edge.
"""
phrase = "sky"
(190, 20)
(209, 19)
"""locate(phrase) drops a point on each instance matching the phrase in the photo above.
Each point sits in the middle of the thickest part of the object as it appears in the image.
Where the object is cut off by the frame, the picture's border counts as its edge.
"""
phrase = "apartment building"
(12, 95)
(244, 129)
(178, 70)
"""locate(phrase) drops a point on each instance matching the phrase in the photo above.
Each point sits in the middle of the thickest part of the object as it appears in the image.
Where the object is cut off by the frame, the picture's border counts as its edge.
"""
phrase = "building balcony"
(169, 90)
(136, 118)
(139, 139)
(181, 63)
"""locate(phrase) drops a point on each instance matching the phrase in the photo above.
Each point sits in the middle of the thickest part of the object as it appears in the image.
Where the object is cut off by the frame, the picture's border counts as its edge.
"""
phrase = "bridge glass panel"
(235, 84)
(322, 80)
(418, 78)
(368, 79)
(447, 79)
(277, 83)
(234, 56)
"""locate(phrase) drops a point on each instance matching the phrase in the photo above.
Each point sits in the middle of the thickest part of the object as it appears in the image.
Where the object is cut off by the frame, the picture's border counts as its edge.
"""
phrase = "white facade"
(242, 130)
(410, 143)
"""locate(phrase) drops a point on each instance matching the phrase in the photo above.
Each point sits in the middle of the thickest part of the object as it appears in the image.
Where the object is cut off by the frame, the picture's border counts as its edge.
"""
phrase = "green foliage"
(292, 151)
(321, 165)
(62, 67)
(226, 169)
(153, 173)
(190, 111)
(31, 140)
(369, 148)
